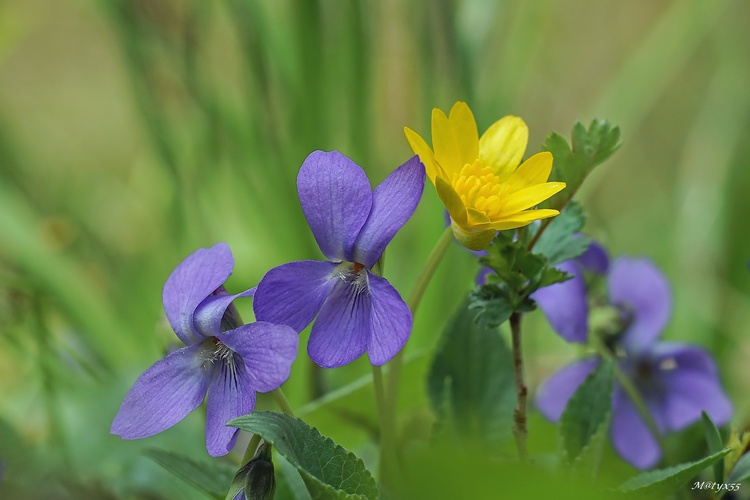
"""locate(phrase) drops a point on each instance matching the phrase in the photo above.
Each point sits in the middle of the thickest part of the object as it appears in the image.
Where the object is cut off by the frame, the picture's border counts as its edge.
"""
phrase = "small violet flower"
(676, 380)
(223, 358)
(356, 310)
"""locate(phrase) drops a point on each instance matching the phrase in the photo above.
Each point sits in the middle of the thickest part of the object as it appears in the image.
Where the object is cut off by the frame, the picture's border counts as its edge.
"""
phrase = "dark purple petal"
(594, 259)
(208, 314)
(293, 293)
(163, 395)
(341, 332)
(565, 305)
(230, 395)
(553, 395)
(194, 279)
(631, 437)
(336, 198)
(640, 287)
(391, 321)
(268, 351)
(690, 384)
(393, 202)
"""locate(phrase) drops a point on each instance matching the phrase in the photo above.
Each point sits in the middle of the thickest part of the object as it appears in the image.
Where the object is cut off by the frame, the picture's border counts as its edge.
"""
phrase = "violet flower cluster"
(675, 380)
(228, 361)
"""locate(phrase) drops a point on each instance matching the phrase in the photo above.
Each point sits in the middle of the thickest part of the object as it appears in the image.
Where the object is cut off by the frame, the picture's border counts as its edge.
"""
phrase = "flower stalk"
(520, 428)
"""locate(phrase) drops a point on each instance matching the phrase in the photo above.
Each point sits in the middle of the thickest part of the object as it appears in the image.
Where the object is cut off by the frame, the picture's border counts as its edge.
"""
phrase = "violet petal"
(341, 332)
(594, 259)
(230, 395)
(687, 392)
(163, 395)
(631, 437)
(268, 351)
(393, 202)
(554, 393)
(194, 279)
(209, 313)
(637, 284)
(336, 198)
(565, 305)
(391, 321)
(293, 293)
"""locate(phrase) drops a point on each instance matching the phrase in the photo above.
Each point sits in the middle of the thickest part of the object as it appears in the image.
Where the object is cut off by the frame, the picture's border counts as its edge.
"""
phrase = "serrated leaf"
(587, 411)
(560, 240)
(491, 305)
(715, 444)
(741, 470)
(590, 147)
(665, 481)
(470, 384)
(211, 477)
(328, 470)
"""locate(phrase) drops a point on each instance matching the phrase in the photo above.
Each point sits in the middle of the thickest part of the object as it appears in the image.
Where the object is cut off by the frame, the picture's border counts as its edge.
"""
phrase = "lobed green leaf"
(560, 240)
(590, 147)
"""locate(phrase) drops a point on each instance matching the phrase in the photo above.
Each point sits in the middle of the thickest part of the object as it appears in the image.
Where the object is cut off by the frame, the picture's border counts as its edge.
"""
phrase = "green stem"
(388, 457)
(413, 301)
(520, 429)
(282, 401)
(386, 400)
(252, 446)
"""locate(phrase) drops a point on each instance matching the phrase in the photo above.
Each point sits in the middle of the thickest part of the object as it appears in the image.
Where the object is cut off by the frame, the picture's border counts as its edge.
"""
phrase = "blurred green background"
(134, 131)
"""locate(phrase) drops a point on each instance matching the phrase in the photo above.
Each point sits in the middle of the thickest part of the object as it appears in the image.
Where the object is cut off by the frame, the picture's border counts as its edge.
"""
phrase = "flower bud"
(256, 480)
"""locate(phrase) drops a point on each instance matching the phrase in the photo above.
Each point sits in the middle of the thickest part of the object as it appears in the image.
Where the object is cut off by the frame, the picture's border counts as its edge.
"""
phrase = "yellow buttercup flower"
(479, 180)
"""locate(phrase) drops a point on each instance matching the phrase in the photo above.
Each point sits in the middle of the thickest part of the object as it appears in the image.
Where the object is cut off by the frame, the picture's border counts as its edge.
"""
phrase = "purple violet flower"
(223, 358)
(676, 380)
(357, 310)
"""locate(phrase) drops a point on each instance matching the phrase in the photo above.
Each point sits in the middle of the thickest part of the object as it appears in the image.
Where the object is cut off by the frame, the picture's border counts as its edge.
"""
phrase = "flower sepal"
(473, 240)
(256, 479)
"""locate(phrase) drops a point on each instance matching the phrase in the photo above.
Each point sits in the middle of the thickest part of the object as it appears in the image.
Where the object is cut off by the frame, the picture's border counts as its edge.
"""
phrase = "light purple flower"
(223, 358)
(676, 381)
(566, 304)
(357, 310)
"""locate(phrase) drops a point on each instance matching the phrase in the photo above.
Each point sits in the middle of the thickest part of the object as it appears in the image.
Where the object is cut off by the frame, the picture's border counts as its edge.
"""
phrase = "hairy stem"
(520, 429)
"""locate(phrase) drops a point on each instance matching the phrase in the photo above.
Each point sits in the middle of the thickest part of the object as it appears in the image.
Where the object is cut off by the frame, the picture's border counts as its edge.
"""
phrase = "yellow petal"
(444, 143)
(503, 144)
(519, 219)
(533, 171)
(451, 200)
(530, 196)
(420, 147)
(465, 129)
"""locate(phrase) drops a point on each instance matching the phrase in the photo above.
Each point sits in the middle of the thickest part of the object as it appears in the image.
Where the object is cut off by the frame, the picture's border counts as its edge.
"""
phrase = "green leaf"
(590, 147)
(559, 241)
(665, 481)
(741, 470)
(715, 444)
(491, 304)
(471, 384)
(328, 470)
(587, 411)
(212, 477)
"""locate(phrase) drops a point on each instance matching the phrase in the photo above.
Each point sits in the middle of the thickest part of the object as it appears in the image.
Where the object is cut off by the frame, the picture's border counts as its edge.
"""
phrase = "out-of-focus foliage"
(133, 132)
